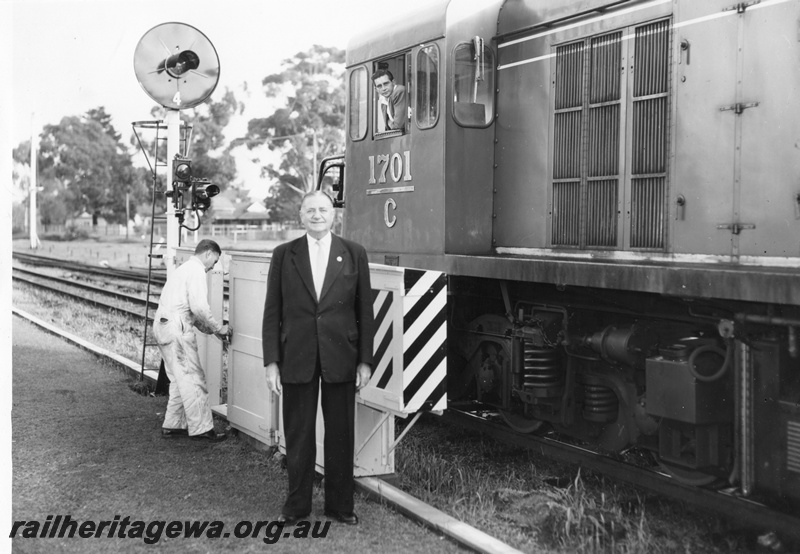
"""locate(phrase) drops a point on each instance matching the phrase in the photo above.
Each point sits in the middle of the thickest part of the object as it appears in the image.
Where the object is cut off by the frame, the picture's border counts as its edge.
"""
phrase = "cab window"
(358, 101)
(427, 85)
(391, 97)
(473, 88)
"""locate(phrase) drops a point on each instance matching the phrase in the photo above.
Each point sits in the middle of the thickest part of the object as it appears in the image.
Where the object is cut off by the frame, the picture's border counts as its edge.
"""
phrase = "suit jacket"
(340, 327)
(397, 100)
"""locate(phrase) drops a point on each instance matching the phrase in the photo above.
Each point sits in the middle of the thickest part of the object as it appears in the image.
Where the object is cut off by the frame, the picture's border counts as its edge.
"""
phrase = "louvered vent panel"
(567, 145)
(606, 68)
(649, 147)
(647, 213)
(650, 136)
(601, 217)
(604, 141)
(569, 76)
(566, 204)
(793, 446)
(652, 59)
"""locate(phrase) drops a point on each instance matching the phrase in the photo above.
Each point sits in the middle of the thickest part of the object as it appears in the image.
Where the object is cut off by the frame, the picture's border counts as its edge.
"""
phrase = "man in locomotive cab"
(391, 101)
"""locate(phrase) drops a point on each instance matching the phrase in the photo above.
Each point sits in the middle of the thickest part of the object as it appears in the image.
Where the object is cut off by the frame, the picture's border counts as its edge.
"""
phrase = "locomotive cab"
(401, 204)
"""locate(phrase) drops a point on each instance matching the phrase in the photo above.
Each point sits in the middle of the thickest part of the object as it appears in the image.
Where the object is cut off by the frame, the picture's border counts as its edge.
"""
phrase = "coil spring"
(599, 403)
(541, 368)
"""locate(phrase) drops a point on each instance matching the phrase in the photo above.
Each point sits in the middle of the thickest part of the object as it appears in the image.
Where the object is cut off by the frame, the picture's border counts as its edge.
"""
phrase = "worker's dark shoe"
(291, 520)
(211, 436)
(173, 433)
(347, 518)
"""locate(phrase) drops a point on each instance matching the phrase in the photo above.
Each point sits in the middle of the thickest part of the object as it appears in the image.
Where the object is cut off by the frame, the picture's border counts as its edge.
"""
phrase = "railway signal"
(202, 192)
(181, 172)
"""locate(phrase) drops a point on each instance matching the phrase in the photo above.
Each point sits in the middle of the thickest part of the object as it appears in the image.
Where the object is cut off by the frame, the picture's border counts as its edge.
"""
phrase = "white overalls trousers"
(182, 307)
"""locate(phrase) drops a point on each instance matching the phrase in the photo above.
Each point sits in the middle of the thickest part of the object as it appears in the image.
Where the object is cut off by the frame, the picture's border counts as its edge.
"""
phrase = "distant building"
(230, 210)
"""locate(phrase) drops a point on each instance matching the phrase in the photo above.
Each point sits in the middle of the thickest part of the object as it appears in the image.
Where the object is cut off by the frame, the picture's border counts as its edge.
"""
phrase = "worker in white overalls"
(182, 307)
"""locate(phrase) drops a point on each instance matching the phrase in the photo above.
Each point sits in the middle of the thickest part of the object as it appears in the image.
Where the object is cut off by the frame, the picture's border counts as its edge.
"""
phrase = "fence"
(236, 232)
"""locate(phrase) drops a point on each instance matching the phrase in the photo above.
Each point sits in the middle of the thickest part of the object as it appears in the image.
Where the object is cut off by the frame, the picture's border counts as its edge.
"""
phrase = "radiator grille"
(649, 140)
(566, 202)
(649, 137)
(647, 213)
(606, 63)
(601, 220)
(652, 59)
(591, 177)
(793, 446)
(604, 140)
(567, 139)
(569, 76)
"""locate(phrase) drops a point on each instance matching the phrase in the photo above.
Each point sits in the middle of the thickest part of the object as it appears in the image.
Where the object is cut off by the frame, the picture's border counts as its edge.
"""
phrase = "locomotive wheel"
(520, 423)
(688, 476)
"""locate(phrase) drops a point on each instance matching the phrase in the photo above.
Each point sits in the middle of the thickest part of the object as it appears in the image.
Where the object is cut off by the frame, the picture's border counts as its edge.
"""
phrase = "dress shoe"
(211, 436)
(291, 520)
(343, 517)
(173, 433)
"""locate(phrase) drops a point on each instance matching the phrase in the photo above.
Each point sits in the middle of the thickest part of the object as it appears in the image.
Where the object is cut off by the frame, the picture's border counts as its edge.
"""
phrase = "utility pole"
(314, 138)
(33, 219)
(127, 215)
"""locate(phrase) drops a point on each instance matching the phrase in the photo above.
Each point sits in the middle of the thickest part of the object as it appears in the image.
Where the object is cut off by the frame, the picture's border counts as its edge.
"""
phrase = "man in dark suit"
(317, 334)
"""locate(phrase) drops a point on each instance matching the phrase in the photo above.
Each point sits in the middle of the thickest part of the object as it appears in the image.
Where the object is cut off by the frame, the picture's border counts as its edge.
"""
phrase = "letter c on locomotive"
(389, 222)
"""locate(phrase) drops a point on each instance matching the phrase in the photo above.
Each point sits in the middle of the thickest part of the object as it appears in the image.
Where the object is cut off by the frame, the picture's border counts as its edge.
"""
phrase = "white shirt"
(325, 244)
(185, 295)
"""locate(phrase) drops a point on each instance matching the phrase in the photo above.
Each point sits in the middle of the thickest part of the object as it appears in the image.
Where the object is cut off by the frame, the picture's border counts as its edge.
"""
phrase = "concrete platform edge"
(433, 518)
(131, 368)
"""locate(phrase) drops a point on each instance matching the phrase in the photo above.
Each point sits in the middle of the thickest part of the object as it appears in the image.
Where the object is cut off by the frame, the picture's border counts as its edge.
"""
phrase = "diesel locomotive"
(612, 189)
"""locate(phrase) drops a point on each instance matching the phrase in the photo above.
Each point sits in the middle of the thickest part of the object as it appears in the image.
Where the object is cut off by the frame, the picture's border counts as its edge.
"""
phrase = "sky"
(70, 56)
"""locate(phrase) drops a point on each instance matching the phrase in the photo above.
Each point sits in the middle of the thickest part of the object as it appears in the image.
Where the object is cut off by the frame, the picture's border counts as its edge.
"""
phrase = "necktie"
(384, 109)
(318, 268)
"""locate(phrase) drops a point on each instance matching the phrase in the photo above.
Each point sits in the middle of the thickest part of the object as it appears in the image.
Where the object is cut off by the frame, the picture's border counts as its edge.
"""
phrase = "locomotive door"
(704, 54)
(770, 131)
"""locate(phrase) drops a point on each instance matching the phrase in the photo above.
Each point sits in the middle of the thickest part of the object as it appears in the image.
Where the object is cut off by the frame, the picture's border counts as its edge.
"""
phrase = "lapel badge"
(338, 258)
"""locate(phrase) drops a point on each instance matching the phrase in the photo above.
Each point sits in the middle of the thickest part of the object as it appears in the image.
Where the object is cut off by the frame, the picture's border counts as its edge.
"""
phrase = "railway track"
(84, 292)
(725, 503)
(124, 302)
(159, 276)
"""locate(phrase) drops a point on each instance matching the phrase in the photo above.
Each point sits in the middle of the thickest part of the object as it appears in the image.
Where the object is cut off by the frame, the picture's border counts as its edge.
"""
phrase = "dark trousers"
(299, 426)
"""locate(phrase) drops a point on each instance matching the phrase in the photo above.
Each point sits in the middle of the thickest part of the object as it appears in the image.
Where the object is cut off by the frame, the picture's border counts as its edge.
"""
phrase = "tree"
(311, 88)
(85, 168)
(210, 158)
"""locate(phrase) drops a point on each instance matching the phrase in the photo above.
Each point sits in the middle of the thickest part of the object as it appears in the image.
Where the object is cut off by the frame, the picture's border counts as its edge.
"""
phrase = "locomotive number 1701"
(395, 166)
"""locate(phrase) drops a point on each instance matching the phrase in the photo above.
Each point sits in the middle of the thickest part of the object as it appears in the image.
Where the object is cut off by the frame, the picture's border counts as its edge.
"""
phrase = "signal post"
(173, 120)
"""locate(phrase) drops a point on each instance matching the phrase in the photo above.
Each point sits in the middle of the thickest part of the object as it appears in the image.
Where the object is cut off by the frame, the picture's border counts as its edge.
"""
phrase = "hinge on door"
(736, 228)
(741, 6)
(739, 107)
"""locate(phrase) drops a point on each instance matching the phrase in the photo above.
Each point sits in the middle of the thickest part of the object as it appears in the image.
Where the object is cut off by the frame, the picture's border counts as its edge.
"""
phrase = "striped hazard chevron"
(423, 374)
